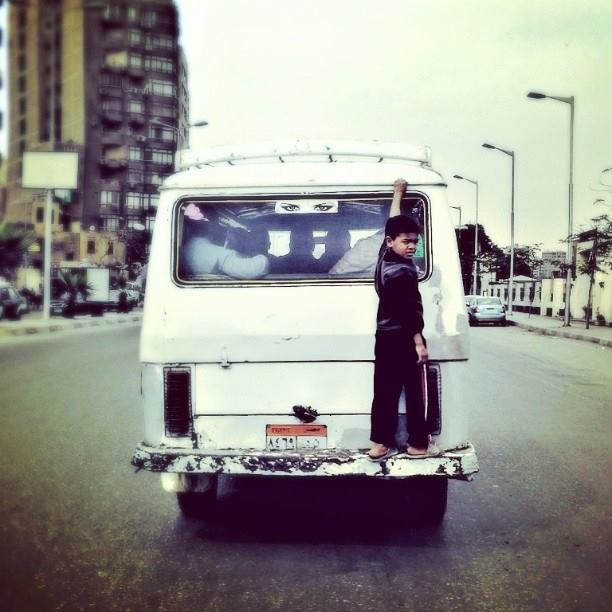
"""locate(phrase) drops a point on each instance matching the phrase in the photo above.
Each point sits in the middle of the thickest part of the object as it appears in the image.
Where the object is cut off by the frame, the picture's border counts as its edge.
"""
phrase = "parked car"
(131, 300)
(12, 305)
(134, 293)
(62, 307)
(483, 309)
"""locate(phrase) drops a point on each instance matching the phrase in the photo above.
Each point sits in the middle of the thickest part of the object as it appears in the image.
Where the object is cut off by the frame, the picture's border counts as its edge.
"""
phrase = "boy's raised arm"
(399, 188)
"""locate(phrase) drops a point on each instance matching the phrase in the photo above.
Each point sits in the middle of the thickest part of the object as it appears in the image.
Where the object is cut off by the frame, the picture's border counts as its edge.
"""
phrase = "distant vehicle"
(100, 298)
(12, 305)
(131, 299)
(486, 310)
(135, 294)
(468, 299)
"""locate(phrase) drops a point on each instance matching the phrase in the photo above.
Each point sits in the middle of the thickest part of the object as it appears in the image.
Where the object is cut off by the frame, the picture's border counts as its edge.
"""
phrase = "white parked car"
(483, 309)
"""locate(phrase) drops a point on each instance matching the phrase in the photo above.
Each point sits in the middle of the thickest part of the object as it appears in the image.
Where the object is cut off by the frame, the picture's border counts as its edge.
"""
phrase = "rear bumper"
(489, 318)
(460, 463)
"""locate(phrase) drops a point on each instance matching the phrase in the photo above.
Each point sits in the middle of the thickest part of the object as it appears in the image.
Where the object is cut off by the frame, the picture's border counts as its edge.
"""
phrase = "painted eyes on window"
(323, 207)
(290, 207)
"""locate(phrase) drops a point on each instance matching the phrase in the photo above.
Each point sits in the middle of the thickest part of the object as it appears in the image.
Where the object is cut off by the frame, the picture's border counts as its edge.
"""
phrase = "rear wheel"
(199, 504)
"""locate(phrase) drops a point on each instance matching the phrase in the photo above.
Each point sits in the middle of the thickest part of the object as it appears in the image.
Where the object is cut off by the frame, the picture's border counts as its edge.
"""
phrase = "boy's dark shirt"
(400, 307)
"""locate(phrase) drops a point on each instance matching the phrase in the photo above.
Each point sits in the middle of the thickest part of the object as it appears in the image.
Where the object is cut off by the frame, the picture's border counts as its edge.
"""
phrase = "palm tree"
(14, 244)
(597, 256)
(74, 284)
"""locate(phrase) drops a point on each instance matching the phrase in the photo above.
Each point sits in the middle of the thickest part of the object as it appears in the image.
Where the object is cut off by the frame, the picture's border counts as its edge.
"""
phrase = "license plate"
(296, 437)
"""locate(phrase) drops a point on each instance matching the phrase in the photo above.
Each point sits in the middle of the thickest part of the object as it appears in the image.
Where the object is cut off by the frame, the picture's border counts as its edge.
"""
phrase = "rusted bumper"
(459, 463)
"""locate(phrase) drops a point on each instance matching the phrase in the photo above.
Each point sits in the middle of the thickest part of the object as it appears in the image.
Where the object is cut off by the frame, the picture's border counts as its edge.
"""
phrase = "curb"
(51, 326)
(546, 331)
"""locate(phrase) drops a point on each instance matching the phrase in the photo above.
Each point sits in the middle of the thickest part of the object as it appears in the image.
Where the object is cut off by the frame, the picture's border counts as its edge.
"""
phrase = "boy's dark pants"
(395, 367)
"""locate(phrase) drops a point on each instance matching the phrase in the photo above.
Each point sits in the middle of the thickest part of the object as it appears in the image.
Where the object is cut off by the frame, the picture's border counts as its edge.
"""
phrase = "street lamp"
(459, 209)
(568, 282)
(161, 123)
(475, 266)
(486, 145)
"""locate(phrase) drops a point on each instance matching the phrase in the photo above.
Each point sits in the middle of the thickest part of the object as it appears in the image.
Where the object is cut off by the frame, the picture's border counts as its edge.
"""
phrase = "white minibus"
(260, 313)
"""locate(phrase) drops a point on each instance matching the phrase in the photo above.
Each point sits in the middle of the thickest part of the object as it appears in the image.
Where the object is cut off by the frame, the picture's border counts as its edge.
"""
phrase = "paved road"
(81, 531)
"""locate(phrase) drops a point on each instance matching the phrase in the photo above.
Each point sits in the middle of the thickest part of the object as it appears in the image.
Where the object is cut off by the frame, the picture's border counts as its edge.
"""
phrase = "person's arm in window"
(246, 268)
(362, 257)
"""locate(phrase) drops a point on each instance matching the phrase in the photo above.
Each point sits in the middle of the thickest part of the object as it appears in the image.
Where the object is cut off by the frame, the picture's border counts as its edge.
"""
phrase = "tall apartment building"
(107, 79)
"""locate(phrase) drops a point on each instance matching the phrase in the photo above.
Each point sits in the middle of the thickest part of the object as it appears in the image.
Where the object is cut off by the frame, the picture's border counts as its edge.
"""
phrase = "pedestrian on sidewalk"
(400, 348)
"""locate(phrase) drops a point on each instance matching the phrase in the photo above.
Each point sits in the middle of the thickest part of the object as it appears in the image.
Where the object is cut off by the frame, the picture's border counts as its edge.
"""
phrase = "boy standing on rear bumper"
(400, 349)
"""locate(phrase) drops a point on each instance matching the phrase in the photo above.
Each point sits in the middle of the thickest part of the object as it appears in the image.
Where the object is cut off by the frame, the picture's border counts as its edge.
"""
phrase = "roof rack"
(302, 150)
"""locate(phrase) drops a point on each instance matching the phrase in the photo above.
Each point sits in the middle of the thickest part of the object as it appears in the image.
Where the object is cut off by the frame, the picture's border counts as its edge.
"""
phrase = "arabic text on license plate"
(296, 437)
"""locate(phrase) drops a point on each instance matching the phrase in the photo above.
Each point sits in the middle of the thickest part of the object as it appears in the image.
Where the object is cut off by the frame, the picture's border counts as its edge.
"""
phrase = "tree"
(489, 253)
(14, 244)
(597, 256)
(75, 284)
(136, 244)
(527, 261)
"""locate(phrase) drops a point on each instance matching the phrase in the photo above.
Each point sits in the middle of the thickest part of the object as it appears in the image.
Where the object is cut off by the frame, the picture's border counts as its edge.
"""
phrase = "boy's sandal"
(388, 452)
(416, 455)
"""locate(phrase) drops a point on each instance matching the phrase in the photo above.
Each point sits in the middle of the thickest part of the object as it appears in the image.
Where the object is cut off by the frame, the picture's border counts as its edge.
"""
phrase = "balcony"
(138, 91)
(113, 163)
(135, 72)
(112, 17)
(112, 91)
(112, 117)
(112, 138)
(136, 119)
(115, 39)
(163, 50)
(108, 185)
(109, 209)
(116, 68)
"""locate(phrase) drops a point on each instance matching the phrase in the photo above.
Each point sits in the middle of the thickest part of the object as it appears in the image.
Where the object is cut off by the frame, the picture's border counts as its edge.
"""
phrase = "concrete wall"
(549, 296)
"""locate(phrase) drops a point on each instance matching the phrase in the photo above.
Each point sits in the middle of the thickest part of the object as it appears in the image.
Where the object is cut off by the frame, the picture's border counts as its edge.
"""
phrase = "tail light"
(177, 401)
(476, 309)
(434, 398)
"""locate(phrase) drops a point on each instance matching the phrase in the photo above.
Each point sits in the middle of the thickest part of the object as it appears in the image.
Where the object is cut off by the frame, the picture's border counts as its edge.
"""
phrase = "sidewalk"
(33, 323)
(551, 326)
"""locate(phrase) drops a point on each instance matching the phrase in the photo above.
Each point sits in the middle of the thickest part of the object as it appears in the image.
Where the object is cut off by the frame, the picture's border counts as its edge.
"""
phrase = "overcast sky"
(450, 74)
(446, 73)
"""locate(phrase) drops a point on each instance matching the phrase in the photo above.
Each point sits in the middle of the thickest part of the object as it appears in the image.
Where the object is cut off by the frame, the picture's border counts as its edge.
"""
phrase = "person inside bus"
(300, 257)
(337, 243)
(205, 250)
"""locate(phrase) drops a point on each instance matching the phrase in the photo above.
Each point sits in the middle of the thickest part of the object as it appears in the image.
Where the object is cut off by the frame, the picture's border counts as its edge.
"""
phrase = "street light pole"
(570, 217)
(511, 278)
(160, 123)
(475, 266)
(459, 209)
(48, 215)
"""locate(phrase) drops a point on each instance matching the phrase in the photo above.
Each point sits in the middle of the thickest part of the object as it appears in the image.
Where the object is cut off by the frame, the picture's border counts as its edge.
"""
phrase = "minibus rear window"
(294, 238)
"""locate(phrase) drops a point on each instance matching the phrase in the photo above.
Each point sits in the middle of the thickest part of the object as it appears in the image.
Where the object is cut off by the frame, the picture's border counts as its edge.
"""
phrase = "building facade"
(107, 79)
(552, 264)
(546, 296)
